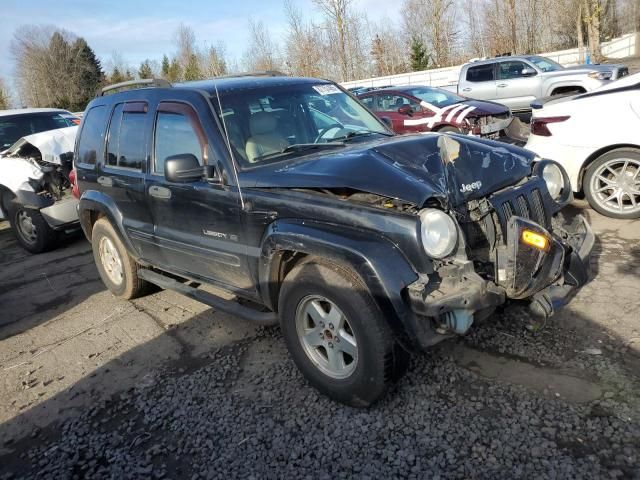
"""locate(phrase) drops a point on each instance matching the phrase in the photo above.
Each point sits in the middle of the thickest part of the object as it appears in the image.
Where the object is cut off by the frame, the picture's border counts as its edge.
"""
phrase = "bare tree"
(213, 61)
(304, 44)
(591, 11)
(4, 95)
(433, 22)
(185, 40)
(262, 53)
(336, 14)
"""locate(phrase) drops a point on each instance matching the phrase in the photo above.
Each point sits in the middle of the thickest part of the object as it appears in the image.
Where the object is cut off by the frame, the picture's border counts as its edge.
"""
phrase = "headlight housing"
(554, 179)
(438, 233)
(605, 75)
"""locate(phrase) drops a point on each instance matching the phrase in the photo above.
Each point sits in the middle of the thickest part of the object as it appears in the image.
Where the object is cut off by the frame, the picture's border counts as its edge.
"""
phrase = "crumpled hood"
(415, 168)
(51, 143)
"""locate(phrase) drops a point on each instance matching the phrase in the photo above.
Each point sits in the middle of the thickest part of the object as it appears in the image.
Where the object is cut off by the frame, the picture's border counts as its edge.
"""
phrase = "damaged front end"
(36, 170)
(515, 245)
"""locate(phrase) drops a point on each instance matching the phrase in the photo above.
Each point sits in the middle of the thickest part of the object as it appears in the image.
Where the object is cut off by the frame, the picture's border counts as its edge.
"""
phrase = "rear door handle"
(105, 181)
(159, 192)
(502, 85)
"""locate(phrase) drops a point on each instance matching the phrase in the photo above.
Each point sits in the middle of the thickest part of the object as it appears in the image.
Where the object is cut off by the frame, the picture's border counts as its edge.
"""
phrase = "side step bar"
(227, 306)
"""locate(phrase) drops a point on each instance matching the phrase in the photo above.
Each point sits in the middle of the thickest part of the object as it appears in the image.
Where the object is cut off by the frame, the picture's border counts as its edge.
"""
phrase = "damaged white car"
(36, 188)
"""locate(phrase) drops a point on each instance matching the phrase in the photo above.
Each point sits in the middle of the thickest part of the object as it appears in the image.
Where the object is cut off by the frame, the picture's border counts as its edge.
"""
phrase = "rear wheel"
(612, 183)
(337, 335)
(31, 229)
(117, 269)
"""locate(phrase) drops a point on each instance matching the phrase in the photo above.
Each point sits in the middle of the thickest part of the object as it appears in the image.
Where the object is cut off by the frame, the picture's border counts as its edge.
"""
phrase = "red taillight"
(75, 191)
(539, 125)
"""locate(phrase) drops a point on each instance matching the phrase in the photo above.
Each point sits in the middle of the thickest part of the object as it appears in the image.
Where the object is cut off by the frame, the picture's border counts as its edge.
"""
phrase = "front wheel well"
(92, 216)
(282, 263)
(568, 89)
(6, 196)
(597, 154)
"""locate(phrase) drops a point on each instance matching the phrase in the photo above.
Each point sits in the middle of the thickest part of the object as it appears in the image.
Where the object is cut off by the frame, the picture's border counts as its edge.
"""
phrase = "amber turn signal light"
(535, 240)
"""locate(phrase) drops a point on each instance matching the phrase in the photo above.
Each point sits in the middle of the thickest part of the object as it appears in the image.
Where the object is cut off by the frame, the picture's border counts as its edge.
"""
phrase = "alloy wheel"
(616, 185)
(111, 261)
(326, 336)
(26, 228)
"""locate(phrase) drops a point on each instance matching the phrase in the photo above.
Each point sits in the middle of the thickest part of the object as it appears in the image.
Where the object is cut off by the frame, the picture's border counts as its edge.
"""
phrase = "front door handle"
(105, 181)
(468, 89)
(159, 192)
(502, 85)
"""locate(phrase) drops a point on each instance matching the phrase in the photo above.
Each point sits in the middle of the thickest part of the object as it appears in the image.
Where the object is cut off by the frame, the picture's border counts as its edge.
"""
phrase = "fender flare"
(95, 201)
(379, 263)
(552, 85)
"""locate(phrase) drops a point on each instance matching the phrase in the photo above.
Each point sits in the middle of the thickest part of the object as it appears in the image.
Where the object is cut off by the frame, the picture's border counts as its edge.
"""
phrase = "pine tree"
(192, 69)
(165, 67)
(116, 76)
(128, 75)
(175, 71)
(145, 70)
(88, 75)
(419, 56)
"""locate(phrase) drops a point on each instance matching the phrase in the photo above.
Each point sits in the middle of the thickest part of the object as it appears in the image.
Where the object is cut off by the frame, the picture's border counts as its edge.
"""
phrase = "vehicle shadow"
(36, 288)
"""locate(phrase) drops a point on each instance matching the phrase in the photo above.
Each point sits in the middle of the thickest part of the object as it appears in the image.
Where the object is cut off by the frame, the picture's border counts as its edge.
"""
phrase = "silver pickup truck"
(517, 81)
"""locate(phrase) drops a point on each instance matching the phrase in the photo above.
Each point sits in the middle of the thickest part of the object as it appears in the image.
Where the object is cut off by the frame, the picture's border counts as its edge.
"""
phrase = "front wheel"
(31, 229)
(337, 335)
(612, 183)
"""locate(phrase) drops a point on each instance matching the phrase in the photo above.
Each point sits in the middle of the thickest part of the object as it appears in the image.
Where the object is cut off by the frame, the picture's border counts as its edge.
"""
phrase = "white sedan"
(596, 138)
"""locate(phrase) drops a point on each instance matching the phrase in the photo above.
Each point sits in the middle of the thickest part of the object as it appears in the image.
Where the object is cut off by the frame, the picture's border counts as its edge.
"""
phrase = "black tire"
(130, 285)
(448, 129)
(611, 158)
(380, 360)
(31, 230)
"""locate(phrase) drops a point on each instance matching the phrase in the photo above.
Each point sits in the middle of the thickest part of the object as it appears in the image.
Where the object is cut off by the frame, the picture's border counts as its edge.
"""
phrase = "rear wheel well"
(597, 154)
(569, 89)
(94, 216)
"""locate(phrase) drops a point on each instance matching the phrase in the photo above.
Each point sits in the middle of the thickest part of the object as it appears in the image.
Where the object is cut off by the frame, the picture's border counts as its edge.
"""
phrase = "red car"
(416, 109)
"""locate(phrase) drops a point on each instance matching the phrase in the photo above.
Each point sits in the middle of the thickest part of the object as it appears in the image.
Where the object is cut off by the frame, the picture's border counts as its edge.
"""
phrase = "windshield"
(267, 123)
(545, 64)
(435, 96)
(14, 127)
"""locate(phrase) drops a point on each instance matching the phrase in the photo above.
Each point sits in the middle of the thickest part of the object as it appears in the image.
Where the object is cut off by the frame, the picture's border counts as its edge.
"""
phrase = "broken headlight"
(438, 233)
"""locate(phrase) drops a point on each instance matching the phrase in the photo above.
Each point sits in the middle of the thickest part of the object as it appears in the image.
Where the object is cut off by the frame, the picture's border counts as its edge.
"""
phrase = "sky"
(140, 29)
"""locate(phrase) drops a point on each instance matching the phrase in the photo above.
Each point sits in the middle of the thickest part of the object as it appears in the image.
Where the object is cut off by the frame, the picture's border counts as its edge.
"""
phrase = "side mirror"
(406, 110)
(183, 168)
(528, 72)
(387, 121)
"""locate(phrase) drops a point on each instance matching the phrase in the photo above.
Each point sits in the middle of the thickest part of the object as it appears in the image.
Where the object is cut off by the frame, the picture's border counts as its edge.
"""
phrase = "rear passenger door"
(196, 224)
(121, 172)
(479, 82)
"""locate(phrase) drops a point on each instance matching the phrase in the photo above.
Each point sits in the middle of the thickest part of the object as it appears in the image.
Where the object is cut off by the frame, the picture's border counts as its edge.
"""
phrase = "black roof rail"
(147, 82)
(258, 73)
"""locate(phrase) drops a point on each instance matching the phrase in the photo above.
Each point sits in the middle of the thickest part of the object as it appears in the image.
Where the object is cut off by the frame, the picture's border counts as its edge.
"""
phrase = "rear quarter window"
(92, 135)
(480, 73)
(126, 144)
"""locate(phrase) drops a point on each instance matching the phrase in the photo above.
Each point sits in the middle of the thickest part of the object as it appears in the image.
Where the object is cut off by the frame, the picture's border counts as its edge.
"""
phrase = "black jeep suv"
(293, 196)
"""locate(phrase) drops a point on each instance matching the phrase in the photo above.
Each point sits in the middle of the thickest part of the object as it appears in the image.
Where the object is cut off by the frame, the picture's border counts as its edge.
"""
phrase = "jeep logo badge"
(470, 187)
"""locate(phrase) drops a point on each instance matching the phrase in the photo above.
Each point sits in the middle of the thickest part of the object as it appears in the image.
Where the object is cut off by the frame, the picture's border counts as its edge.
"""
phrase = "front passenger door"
(196, 224)
(517, 84)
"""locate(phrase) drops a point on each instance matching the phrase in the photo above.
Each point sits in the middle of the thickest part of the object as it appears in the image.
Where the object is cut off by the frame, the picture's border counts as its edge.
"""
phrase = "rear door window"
(481, 73)
(126, 145)
(92, 135)
(178, 131)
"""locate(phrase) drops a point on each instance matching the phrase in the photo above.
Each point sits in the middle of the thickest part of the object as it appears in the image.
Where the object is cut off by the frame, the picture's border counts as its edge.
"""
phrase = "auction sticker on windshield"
(326, 89)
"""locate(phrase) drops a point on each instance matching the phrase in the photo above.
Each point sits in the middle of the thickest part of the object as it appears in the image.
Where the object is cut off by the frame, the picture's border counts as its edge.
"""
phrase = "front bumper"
(455, 295)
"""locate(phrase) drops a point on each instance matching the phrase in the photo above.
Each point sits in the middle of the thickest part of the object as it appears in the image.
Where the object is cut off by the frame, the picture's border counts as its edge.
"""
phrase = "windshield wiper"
(361, 133)
(300, 147)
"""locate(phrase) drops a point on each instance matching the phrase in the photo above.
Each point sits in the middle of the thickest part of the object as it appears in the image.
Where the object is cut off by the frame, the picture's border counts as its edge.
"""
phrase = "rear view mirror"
(183, 168)
(405, 110)
(528, 72)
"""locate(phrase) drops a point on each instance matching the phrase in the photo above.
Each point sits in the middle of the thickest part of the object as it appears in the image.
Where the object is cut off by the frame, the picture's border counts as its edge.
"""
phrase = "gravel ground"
(514, 399)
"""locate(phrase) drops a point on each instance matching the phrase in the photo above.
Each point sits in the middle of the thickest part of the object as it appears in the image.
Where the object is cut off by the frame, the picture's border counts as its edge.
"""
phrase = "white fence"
(626, 46)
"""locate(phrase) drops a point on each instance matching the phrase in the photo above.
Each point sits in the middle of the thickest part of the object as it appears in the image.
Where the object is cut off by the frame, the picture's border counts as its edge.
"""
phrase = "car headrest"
(261, 123)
